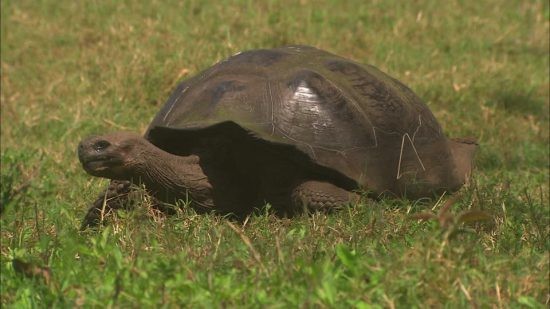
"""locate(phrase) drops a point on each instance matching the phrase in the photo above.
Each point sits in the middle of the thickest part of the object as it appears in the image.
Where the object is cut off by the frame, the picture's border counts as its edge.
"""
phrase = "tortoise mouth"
(95, 164)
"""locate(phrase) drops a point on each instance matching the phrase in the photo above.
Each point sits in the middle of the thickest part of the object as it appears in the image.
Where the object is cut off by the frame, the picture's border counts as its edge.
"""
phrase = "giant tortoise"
(295, 127)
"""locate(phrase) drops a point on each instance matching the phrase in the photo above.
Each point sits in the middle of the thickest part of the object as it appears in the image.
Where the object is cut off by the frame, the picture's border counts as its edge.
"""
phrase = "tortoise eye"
(100, 145)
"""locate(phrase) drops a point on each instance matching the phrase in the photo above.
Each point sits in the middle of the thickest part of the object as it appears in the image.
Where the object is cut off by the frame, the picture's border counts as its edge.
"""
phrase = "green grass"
(70, 69)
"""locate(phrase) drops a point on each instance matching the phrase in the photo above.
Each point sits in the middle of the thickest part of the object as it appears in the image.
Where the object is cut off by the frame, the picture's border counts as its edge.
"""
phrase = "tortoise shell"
(346, 117)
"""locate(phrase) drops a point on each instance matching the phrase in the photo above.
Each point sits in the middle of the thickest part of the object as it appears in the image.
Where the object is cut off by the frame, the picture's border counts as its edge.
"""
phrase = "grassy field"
(70, 69)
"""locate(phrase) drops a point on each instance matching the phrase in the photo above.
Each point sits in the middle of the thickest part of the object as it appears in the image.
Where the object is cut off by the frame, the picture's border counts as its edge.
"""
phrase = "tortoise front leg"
(114, 197)
(321, 196)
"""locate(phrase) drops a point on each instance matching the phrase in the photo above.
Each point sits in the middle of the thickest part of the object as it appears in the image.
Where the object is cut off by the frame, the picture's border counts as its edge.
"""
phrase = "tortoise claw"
(114, 197)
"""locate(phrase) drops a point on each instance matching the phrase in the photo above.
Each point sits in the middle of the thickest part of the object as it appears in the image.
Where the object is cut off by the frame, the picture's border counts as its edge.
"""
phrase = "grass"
(72, 69)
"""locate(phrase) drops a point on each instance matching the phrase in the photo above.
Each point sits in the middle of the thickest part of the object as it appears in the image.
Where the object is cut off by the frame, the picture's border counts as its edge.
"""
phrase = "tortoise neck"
(170, 177)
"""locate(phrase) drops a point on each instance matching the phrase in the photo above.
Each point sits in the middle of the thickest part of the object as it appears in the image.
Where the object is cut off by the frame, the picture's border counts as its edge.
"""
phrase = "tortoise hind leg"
(321, 196)
(114, 197)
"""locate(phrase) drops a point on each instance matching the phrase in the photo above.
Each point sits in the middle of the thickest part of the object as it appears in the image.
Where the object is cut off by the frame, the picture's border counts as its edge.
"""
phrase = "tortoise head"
(115, 156)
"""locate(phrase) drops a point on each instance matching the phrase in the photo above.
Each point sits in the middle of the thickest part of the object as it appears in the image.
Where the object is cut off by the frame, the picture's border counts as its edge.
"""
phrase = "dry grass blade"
(465, 291)
(248, 243)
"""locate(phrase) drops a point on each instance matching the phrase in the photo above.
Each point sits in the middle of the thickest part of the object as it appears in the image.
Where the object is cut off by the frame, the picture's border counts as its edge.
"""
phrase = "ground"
(70, 69)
